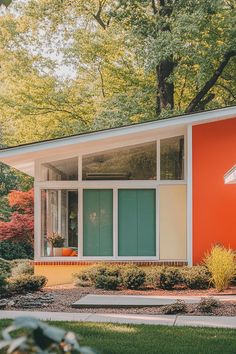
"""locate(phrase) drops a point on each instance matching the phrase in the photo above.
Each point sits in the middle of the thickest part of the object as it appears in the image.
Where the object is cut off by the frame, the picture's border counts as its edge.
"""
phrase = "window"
(129, 163)
(59, 214)
(172, 158)
(98, 222)
(63, 170)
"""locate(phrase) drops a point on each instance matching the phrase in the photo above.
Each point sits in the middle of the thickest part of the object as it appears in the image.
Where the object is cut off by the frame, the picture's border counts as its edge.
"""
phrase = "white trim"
(230, 176)
(115, 222)
(189, 196)
(80, 223)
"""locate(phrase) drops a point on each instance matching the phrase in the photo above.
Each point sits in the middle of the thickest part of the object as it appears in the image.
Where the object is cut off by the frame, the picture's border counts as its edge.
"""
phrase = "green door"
(137, 222)
(98, 222)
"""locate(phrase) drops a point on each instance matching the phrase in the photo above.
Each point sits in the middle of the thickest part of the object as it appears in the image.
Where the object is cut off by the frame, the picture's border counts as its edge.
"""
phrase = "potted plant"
(57, 242)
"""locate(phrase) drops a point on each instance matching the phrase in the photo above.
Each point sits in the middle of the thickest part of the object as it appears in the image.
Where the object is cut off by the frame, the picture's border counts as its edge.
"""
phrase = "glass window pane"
(172, 158)
(59, 214)
(98, 222)
(129, 163)
(63, 170)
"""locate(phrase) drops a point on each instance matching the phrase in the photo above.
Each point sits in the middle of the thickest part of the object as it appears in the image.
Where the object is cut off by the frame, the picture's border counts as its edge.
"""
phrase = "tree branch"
(211, 82)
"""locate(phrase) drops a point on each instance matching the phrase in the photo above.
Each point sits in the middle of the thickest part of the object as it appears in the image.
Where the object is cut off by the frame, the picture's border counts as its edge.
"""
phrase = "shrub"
(23, 268)
(197, 277)
(3, 284)
(178, 307)
(5, 267)
(133, 277)
(220, 263)
(25, 283)
(153, 276)
(169, 277)
(207, 304)
(101, 276)
(108, 282)
(14, 250)
(82, 278)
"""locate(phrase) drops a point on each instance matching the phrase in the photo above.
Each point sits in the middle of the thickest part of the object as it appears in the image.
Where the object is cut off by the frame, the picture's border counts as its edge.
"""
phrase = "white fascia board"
(194, 119)
(230, 176)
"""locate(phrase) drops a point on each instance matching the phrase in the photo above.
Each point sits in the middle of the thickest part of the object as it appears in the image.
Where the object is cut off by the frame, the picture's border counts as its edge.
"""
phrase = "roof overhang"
(23, 157)
(230, 176)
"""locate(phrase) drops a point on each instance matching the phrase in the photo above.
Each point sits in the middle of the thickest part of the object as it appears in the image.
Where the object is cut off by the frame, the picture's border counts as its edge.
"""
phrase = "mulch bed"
(64, 296)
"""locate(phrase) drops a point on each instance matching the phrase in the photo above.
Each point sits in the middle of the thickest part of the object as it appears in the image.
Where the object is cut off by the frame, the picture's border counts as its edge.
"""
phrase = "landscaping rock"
(3, 303)
(34, 300)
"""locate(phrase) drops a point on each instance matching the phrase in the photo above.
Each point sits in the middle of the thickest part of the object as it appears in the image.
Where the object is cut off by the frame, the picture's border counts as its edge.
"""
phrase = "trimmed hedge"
(23, 268)
(170, 277)
(197, 277)
(26, 283)
(133, 277)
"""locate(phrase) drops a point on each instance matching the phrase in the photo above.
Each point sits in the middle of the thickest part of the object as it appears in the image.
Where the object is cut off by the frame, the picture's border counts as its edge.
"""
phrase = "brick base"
(87, 263)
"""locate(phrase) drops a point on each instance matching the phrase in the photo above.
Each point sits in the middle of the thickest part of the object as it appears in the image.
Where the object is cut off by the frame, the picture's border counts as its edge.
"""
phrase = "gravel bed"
(60, 299)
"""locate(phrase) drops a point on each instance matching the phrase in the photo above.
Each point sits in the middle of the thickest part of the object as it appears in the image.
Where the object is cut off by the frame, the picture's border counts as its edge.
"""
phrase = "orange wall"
(214, 203)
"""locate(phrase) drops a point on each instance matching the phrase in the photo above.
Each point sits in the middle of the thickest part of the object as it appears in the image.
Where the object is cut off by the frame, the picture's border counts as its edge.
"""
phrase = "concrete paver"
(206, 321)
(139, 301)
(169, 320)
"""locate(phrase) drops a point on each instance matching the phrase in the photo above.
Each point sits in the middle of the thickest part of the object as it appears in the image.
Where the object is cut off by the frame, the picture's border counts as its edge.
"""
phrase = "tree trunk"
(164, 70)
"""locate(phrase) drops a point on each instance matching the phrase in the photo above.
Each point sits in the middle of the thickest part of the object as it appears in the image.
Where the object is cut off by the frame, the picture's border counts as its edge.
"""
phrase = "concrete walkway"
(139, 301)
(168, 320)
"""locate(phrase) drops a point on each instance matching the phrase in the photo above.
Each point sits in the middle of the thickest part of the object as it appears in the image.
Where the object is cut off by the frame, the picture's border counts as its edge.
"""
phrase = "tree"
(21, 224)
(131, 61)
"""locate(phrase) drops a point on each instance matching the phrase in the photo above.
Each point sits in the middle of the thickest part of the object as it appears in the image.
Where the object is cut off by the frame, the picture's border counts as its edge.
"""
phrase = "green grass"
(137, 339)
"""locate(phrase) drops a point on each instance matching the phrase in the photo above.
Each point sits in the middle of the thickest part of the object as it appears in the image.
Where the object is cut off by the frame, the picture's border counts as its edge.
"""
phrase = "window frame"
(115, 185)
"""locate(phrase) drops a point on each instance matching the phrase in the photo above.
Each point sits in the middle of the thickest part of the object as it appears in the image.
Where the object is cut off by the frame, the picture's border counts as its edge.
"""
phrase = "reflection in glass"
(130, 163)
(63, 170)
(172, 158)
(59, 214)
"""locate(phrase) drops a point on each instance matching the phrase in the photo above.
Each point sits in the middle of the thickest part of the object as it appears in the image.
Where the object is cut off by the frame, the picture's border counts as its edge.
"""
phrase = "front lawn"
(137, 339)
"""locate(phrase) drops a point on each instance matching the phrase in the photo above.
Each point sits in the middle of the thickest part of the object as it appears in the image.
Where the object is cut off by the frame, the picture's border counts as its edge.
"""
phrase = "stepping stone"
(129, 301)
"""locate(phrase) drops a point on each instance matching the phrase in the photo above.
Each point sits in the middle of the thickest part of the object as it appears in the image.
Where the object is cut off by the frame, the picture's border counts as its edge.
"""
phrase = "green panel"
(97, 222)
(91, 222)
(146, 222)
(127, 223)
(137, 222)
(106, 223)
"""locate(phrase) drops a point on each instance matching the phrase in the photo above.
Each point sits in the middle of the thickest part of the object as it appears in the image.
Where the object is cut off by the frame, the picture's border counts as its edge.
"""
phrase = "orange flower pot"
(67, 251)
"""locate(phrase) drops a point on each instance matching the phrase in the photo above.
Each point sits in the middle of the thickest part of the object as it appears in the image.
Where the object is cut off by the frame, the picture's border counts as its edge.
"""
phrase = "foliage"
(55, 239)
(26, 283)
(107, 282)
(5, 267)
(207, 304)
(170, 276)
(101, 276)
(220, 262)
(23, 268)
(196, 277)
(178, 307)
(11, 179)
(39, 337)
(14, 250)
(3, 284)
(153, 276)
(72, 66)
(21, 224)
(133, 277)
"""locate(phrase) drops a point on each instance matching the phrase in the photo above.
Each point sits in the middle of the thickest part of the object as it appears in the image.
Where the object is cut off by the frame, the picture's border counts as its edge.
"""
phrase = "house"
(152, 192)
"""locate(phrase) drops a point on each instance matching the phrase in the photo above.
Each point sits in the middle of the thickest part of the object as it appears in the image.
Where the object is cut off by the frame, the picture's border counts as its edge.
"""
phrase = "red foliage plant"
(21, 224)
